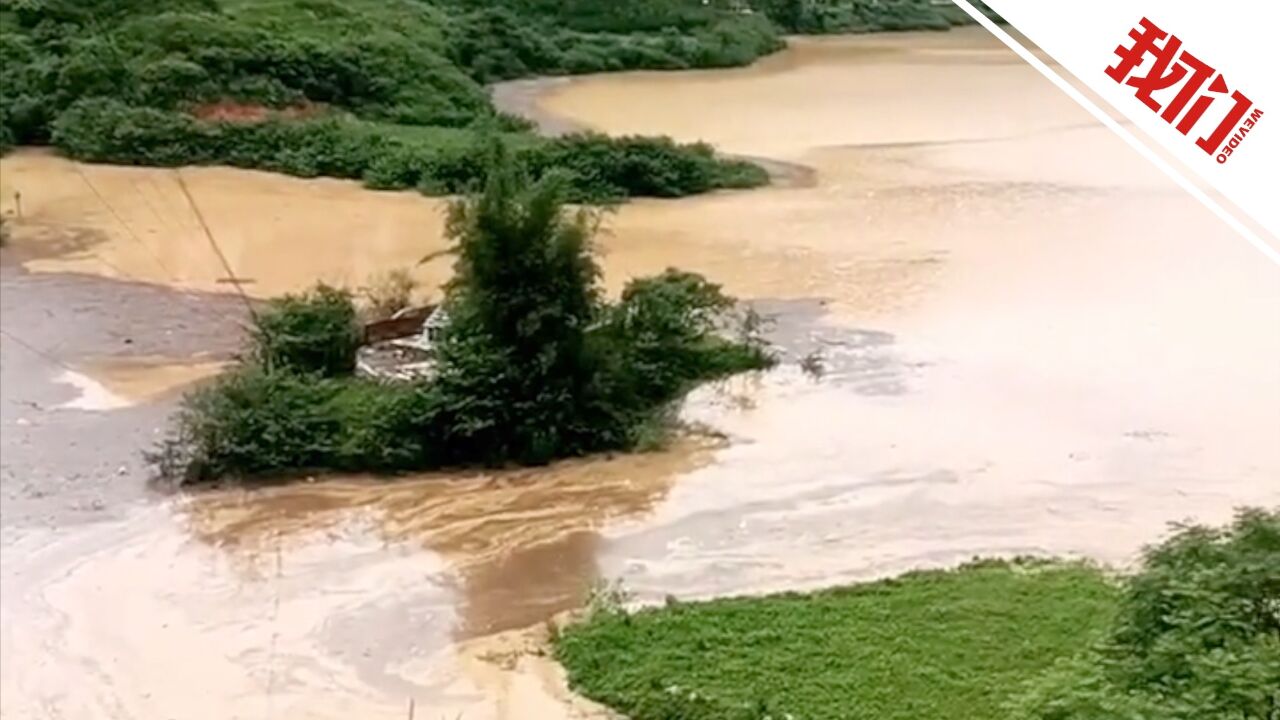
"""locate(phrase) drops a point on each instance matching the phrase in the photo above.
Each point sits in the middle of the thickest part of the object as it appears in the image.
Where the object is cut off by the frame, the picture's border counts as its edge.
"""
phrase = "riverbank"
(1181, 638)
(944, 644)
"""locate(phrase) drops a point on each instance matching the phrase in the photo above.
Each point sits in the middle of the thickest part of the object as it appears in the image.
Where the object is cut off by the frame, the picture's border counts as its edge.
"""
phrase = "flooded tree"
(518, 377)
(533, 365)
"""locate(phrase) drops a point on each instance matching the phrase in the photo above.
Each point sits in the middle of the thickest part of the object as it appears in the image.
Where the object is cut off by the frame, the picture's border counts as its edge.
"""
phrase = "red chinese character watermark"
(1170, 67)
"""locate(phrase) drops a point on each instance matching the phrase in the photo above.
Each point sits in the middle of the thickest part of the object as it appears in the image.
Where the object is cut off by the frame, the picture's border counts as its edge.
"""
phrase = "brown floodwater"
(129, 381)
(319, 600)
(279, 234)
(1025, 340)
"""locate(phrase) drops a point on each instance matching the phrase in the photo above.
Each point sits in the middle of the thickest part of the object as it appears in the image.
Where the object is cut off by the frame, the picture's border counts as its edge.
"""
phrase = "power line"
(231, 275)
(111, 209)
(121, 272)
(154, 255)
(37, 350)
(155, 211)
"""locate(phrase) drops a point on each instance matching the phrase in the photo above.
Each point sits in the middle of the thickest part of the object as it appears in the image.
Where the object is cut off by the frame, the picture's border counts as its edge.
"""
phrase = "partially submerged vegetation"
(534, 365)
(389, 92)
(434, 161)
(1195, 634)
(936, 644)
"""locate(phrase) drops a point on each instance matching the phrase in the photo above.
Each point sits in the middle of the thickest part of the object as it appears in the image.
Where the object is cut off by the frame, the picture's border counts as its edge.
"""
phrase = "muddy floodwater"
(1017, 338)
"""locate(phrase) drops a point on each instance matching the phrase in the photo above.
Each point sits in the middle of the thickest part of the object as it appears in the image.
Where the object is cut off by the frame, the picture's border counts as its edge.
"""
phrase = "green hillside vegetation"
(389, 92)
(1194, 634)
(862, 16)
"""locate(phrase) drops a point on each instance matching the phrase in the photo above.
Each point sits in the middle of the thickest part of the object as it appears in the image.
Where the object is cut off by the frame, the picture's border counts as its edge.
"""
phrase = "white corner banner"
(1191, 76)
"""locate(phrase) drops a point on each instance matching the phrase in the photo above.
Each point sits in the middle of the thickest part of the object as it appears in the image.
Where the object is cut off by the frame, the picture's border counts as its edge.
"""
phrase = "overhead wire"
(217, 250)
(190, 200)
(128, 229)
(122, 273)
(169, 273)
(36, 350)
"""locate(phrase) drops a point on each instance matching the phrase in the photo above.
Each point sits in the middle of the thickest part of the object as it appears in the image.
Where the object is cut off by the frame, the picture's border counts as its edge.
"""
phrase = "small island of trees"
(534, 364)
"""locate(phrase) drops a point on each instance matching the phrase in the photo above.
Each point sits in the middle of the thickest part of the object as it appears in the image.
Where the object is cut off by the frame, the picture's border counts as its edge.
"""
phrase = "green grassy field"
(927, 645)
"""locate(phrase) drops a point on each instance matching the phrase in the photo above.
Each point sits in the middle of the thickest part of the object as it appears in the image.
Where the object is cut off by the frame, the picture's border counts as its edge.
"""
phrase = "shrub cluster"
(381, 61)
(605, 16)
(255, 421)
(602, 167)
(533, 366)
(317, 332)
(1197, 635)
(502, 39)
(432, 160)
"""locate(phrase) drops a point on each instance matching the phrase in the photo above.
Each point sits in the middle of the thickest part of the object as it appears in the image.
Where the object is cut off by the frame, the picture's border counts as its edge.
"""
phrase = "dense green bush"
(609, 16)
(516, 368)
(1197, 636)
(433, 160)
(533, 364)
(693, 18)
(618, 167)
(316, 332)
(259, 422)
(383, 61)
(665, 332)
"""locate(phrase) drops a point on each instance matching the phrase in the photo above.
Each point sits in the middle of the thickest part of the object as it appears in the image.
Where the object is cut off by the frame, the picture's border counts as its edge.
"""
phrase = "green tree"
(515, 368)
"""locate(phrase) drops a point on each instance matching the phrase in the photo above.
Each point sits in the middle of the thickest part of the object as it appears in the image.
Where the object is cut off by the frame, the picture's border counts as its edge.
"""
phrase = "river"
(1021, 339)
